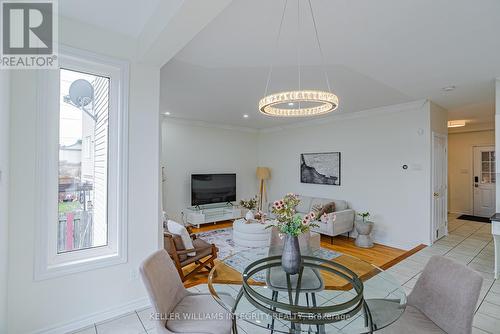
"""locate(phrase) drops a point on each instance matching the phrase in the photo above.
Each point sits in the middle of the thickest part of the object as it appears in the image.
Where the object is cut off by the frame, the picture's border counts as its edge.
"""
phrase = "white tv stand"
(211, 214)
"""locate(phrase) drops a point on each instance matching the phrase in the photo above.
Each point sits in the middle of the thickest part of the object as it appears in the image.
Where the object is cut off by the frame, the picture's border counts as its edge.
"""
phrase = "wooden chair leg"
(181, 274)
(208, 267)
(179, 269)
(203, 264)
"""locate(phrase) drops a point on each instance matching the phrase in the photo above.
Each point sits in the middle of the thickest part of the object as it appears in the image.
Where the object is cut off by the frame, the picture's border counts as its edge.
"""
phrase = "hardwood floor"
(380, 255)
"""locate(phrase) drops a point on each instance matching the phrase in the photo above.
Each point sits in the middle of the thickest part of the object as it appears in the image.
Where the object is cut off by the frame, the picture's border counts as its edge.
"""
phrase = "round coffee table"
(253, 234)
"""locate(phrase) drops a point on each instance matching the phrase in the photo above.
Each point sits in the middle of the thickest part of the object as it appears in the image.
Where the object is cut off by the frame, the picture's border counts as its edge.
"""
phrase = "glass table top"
(333, 293)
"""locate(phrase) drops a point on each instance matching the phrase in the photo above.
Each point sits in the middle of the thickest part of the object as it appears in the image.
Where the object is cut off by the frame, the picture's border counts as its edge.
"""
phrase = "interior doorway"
(484, 180)
(468, 198)
(439, 186)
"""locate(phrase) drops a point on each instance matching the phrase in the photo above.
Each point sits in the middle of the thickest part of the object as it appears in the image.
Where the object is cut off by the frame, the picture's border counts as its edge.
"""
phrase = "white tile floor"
(468, 242)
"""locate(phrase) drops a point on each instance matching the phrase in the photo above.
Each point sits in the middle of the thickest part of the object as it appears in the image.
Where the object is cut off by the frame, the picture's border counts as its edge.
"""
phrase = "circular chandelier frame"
(324, 101)
(327, 102)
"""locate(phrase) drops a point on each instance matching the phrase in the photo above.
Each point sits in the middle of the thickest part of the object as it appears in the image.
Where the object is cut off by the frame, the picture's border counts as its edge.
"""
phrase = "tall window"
(82, 161)
(488, 170)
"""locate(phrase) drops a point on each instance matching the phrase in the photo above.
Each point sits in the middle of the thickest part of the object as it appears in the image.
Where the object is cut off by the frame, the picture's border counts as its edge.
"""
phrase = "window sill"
(77, 266)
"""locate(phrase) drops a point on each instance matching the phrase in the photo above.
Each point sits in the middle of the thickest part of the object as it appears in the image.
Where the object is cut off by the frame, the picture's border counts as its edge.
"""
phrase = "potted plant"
(250, 205)
(291, 224)
(364, 228)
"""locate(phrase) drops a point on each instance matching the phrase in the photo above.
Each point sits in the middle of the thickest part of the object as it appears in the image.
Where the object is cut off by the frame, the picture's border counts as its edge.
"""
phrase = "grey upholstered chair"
(177, 309)
(442, 301)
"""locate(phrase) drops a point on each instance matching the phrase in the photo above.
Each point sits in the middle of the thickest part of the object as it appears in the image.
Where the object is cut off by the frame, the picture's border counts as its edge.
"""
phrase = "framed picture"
(320, 168)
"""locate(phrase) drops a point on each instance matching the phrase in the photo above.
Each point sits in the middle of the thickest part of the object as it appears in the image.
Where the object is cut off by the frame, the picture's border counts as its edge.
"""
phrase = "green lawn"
(66, 207)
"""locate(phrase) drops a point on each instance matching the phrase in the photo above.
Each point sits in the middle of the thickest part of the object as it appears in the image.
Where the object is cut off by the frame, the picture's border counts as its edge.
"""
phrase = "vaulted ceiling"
(376, 52)
(125, 17)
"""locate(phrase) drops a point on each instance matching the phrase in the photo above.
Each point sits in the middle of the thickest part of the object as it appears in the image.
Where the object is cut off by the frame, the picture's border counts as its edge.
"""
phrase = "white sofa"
(343, 223)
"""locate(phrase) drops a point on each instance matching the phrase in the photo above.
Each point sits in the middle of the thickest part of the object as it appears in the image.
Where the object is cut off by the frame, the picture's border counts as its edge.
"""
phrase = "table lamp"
(263, 173)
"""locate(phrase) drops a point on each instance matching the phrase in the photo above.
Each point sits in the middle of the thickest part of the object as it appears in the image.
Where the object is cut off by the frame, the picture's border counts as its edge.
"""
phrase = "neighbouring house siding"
(101, 104)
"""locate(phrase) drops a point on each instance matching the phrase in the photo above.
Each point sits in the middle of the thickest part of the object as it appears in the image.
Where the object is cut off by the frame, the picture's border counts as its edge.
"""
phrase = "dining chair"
(443, 300)
(178, 310)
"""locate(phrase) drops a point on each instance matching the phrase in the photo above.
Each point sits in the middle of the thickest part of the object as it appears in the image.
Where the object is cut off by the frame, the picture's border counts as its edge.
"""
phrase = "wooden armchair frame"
(202, 262)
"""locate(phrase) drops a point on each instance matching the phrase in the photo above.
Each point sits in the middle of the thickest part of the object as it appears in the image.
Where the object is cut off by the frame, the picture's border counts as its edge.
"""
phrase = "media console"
(211, 214)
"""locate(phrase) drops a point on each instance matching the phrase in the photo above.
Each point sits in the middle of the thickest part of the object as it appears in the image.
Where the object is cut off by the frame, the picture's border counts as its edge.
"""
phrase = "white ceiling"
(377, 53)
(127, 17)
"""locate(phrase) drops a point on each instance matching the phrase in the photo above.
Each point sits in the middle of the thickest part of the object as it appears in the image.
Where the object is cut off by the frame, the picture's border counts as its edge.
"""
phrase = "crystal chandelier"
(298, 103)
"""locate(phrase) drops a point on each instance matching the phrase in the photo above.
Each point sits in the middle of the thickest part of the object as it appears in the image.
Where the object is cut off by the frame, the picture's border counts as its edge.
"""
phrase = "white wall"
(373, 149)
(188, 149)
(497, 136)
(83, 298)
(4, 192)
(438, 119)
(460, 167)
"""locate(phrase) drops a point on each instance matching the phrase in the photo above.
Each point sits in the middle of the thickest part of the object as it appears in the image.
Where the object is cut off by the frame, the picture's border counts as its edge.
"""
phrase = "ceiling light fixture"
(449, 88)
(167, 113)
(245, 116)
(303, 102)
(456, 124)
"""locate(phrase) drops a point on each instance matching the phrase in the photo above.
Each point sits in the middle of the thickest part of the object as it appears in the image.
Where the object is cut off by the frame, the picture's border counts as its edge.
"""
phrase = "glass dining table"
(332, 293)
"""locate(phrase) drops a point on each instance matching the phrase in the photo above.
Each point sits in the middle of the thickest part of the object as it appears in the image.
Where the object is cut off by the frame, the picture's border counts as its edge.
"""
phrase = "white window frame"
(48, 263)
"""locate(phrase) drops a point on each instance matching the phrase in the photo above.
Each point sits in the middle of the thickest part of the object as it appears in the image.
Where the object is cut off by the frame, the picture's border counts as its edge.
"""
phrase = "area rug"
(474, 218)
(239, 258)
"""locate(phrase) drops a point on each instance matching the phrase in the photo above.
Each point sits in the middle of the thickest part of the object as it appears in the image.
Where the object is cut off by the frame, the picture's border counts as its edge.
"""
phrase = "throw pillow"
(326, 209)
(180, 230)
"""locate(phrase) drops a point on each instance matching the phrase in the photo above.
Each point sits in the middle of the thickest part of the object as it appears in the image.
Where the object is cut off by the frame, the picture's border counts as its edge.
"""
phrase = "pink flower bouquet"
(288, 220)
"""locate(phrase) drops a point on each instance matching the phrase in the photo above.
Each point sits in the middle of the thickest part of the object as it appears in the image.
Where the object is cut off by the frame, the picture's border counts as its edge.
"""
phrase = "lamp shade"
(263, 173)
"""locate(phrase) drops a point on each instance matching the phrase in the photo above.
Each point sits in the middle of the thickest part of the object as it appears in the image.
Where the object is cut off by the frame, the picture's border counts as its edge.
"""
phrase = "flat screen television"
(212, 188)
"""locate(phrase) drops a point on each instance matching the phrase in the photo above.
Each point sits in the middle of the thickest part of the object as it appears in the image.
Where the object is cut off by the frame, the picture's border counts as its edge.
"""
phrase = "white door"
(439, 186)
(484, 181)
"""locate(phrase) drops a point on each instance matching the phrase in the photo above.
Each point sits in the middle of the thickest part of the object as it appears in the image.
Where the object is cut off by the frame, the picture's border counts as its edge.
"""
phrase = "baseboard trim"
(461, 213)
(96, 317)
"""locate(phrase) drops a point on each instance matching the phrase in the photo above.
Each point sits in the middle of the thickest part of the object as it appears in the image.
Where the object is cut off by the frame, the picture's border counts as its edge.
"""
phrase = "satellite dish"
(81, 92)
